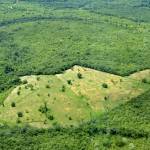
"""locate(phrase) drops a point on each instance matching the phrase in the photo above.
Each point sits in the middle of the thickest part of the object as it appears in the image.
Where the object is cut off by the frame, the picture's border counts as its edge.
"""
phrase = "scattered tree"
(70, 118)
(104, 85)
(13, 104)
(79, 75)
(47, 86)
(63, 88)
(18, 92)
(144, 80)
(51, 117)
(18, 120)
(69, 82)
(24, 81)
(20, 114)
(38, 78)
(30, 86)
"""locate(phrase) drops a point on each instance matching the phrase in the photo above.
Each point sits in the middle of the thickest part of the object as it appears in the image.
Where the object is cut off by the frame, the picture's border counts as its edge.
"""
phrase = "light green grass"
(82, 101)
(145, 74)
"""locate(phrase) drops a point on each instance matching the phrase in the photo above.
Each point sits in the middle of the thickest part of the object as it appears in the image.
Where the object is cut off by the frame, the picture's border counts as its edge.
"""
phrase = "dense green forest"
(71, 35)
(125, 127)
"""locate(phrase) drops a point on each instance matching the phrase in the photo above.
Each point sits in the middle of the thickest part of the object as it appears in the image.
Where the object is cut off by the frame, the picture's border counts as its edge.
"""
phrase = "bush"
(38, 78)
(47, 86)
(24, 82)
(79, 75)
(18, 92)
(104, 85)
(105, 98)
(69, 82)
(20, 114)
(63, 88)
(13, 104)
(30, 86)
(51, 117)
(70, 118)
(18, 120)
(26, 87)
(144, 80)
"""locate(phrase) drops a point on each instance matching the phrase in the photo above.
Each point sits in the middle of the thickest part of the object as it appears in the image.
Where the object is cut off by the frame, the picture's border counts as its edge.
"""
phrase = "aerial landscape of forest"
(75, 74)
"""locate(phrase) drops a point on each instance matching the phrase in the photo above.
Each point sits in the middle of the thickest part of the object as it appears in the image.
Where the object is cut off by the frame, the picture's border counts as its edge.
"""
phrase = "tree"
(18, 92)
(47, 86)
(104, 85)
(38, 78)
(51, 117)
(144, 80)
(20, 114)
(63, 88)
(24, 82)
(69, 82)
(30, 86)
(13, 104)
(8, 69)
(70, 118)
(79, 75)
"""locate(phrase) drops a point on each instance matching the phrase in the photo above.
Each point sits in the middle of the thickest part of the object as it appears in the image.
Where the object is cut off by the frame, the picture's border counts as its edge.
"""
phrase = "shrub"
(70, 118)
(105, 98)
(63, 88)
(26, 87)
(38, 78)
(47, 86)
(42, 109)
(104, 85)
(79, 75)
(18, 120)
(18, 92)
(144, 80)
(69, 82)
(13, 104)
(20, 114)
(51, 117)
(24, 81)
(30, 86)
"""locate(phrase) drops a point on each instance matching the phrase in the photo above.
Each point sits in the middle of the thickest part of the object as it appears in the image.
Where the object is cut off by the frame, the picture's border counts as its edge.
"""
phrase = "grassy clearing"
(120, 89)
(143, 76)
(69, 100)
(66, 107)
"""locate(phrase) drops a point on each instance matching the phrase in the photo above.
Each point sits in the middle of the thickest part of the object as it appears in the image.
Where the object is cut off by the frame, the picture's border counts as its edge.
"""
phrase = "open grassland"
(143, 76)
(69, 99)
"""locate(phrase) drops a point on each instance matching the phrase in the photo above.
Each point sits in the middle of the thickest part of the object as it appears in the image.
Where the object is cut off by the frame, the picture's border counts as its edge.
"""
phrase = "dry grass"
(83, 100)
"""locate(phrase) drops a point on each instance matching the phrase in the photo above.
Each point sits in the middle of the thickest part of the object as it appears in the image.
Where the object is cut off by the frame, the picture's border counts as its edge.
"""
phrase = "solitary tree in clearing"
(79, 75)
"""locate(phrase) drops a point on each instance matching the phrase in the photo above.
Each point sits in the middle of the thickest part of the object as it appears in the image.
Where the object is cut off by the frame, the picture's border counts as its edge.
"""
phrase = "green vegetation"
(113, 41)
(125, 127)
(13, 104)
(81, 101)
(46, 105)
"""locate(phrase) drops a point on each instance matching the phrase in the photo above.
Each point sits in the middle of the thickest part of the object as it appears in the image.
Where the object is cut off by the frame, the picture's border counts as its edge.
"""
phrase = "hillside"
(75, 74)
(116, 130)
(77, 99)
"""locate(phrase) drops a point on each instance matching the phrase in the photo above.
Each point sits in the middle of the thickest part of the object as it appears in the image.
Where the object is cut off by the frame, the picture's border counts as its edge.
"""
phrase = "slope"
(66, 98)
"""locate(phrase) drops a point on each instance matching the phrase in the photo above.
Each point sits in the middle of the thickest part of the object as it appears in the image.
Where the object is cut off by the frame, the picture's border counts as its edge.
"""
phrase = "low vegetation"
(76, 99)
(124, 127)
